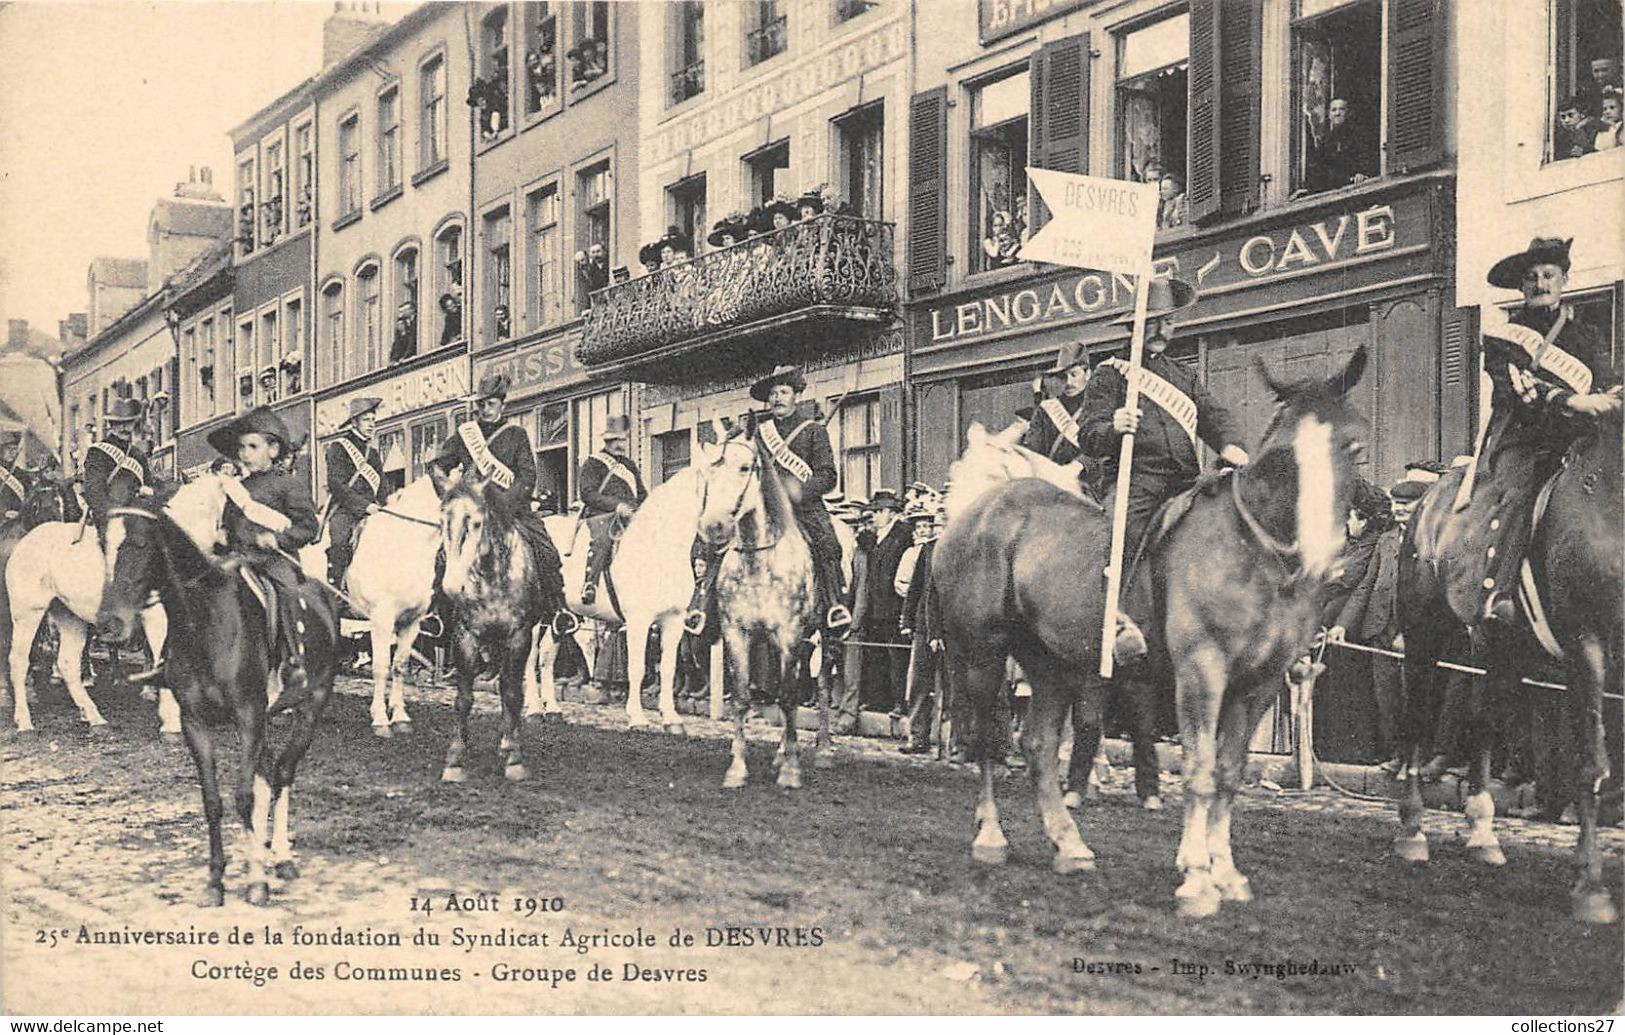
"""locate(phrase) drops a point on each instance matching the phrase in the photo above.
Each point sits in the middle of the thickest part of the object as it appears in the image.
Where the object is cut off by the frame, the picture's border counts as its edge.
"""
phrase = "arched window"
(369, 355)
(404, 339)
(448, 283)
(333, 342)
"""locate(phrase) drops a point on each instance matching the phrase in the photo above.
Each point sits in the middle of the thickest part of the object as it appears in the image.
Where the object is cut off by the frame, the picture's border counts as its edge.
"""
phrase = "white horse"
(993, 459)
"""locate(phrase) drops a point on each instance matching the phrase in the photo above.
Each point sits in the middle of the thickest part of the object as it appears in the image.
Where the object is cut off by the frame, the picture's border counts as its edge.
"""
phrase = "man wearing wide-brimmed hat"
(270, 516)
(355, 483)
(611, 491)
(115, 468)
(1550, 372)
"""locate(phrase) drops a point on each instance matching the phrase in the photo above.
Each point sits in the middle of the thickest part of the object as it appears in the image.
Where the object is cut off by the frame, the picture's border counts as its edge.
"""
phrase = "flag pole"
(1125, 461)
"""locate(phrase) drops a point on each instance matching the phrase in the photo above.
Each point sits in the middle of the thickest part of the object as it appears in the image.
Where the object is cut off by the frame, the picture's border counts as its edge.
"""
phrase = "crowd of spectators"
(1589, 121)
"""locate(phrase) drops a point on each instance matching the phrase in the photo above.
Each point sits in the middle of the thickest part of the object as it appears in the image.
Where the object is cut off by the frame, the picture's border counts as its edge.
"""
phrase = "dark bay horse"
(764, 588)
(498, 597)
(1577, 562)
(1234, 581)
(222, 664)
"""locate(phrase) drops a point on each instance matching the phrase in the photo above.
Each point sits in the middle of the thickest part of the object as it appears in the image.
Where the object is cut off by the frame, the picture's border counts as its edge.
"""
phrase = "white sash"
(1064, 422)
(121, 460)
(487, 464)
(368, 473)
(13, 484)
(615, 469)
(1546, 355)
(779, 446)
(1159, 390)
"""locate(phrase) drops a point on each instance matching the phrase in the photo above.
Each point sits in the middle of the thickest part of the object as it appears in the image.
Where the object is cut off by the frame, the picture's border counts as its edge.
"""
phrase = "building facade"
(556, 189)
(201, 309)
(738, 104)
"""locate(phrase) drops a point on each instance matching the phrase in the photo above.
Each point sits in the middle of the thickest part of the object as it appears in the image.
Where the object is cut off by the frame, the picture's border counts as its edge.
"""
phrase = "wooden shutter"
(927, 191)
(936, 421)
(1202, 198)
(891, 440)
(1458, 383)
(1240, 71)
(1415, 84)
(1059, 116)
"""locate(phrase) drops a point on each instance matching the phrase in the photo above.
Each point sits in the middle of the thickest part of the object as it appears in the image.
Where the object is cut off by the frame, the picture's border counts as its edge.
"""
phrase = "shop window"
(553, 454)
(389, 140)
(350, 165)
(1338, 99)
(687, 50)
(490, 91)
(1584, 76)
(998, 155)
(766, 32)
(589, 53)
(685, 207)
(860, 446)
(292, 361)
(304, 175)
(432, 112)
(762, 170)
(426, 438)
(594, 255)
(270, 350)
(271, 206)
(404, 341)
(498, 275)
(333, 340)
(247, 210)
(369, 354)
(846, 10)
(1152, 105)
(861, 141)
(448, 285)
(541, 57)
(673, 452)
(546, 303)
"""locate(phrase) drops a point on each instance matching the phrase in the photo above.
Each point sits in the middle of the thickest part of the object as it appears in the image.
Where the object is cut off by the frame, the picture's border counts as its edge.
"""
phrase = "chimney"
(74, 330)
(16, 334)
(351, 25)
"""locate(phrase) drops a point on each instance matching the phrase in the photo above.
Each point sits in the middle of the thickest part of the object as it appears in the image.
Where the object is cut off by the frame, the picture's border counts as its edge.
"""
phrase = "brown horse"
(1234, 574)
(1576, 559)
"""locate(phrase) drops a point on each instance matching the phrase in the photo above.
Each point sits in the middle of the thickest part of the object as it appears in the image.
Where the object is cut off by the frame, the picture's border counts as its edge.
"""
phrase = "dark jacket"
(114, 473)
(14, 486)
(1546, 423)
(601, 490)
(884, 604)
(1357, 556)
(921, 610)
(286, 494)
(348, 490)
(510, 446)
(1161, 446)
(1369, 615)
(1337, 158)
(811, 443)
(1044, 438)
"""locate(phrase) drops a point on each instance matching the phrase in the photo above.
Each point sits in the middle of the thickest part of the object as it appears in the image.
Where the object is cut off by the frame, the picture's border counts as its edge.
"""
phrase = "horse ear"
(1344, 382)
(975, 435)
(1277, 388)
(706, 452)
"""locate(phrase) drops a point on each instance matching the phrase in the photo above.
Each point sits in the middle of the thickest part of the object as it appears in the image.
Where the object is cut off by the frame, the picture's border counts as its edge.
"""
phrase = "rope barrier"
(1455, 666)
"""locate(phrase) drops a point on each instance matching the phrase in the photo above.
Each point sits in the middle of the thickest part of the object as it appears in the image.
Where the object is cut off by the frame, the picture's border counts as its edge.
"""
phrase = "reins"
(734, 513)
(1283, 553)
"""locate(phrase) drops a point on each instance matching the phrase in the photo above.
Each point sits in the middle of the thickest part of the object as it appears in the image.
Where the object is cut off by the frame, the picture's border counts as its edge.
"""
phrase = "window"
(589, 56)
(860, 447)
(293, 346)
(247, 210)
(271, 208)
(368, 355)
(189, 353)
(333, 340)
(268, 357)
(673, 451)
(1152, 67)
(1585, 62)
(1339, 100)
(432, 112)
(350, 165)
(389, 139)
(227, 374)
(392, 447)
(846, 10)
(998, 144)
(448, 284)
(765, 34)
(594, 189)
(861, 136)
(304, 174)
(687, 50)
(762, 169)
(541, 57)
(553, 452)
(498, 325)
(490, 94)
(546, 281)
(245, 363)
(685, 204)
(404, 340)
(426, 439)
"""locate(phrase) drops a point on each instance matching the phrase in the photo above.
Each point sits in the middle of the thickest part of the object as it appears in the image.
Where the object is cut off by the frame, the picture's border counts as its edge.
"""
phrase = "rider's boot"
(589, 586)
(837, 619)
(294, 679)
(1130, 645)
(698, 619)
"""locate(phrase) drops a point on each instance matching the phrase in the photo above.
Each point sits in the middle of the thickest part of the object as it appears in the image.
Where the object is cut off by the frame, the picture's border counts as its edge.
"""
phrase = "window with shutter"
(1584, 78)
(1240, 36)
(1060, 105)
(1153, 96)
(927, 199)
(1337, 100)
(1202, 192)
(1415, 84)
(999, 120)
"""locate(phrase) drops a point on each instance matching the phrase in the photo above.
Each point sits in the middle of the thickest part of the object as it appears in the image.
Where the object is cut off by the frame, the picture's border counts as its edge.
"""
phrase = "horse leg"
(978, 682)
(1200, 680)
(790, 705)
(253, 795)
(72, 634)
(671, 634)
(1420, 683)
(404, 639)
(467, 653)
(155, 623)
(200, 742)
(737, 646)
(1479, 807)
(541, 696)
(1086, 718)
(824, 745)
(519, 648)
(1588, 674)
(24, 625)
(1041, 743)
(1236, 724)
(383, 669)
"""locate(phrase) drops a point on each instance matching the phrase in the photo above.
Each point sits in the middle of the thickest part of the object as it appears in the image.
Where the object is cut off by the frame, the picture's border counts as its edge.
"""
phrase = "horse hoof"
(1413, 849)
(1236, 891)
(1490, 855)
(382, 731)
(990, 855)
(1068, 864)
(149, 694)
(401, 726)
(453, 774)
(1072, 800)
(553, 718)
(1152, 803)
(535, 718)
(213, 896)
(677, 728)
(1594, 907)
(516, 772)
(287, 869)
(257, 893)
(1199, 906)
(790, 778)
(94, 728)
(732, 782)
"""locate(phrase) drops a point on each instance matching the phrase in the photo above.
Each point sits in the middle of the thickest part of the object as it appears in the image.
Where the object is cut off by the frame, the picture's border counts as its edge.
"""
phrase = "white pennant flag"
(1095, 223)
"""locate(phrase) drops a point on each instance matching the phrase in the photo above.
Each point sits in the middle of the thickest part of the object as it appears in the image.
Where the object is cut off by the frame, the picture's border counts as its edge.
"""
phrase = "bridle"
(1289, 556)
(754, 474)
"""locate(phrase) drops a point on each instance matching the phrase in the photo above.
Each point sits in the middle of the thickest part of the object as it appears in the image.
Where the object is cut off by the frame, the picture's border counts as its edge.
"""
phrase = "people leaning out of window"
(1340, 152)
(1608, 120)
(1170, 202)
(587, 61)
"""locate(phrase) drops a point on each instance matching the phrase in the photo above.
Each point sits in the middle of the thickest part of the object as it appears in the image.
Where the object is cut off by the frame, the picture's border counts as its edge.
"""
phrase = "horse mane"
(775, 501)
(992, 459)
(197, 508)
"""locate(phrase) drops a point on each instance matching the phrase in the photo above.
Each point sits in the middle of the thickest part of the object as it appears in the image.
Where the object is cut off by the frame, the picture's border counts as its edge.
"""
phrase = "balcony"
(811, 282)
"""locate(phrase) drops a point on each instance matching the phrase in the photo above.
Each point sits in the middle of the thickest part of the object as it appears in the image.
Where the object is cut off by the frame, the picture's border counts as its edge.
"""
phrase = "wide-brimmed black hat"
(649, 254)
(781, 203)
(1069, 356)
(678, 240)
(810, 199)
(1508, 273)
(734, 225)
(783, 374)
(361, 407)
(492, 386)
(260, 419)
(1165, 295)
(122, 410)
(884, 499)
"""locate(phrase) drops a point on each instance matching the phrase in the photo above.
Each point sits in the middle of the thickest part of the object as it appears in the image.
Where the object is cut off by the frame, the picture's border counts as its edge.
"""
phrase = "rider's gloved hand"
(1126, 419)
(1233, 455)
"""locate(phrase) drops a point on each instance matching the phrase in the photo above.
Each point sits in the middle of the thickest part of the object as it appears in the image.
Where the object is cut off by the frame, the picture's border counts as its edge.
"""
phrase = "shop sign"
(1339, 239)
(540, 367)
(442, 383)
(996, 19)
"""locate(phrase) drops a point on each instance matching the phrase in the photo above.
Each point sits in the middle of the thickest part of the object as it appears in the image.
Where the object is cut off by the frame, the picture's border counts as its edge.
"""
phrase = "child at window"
(1575, 134)
(1170, 202)
(1608, 136)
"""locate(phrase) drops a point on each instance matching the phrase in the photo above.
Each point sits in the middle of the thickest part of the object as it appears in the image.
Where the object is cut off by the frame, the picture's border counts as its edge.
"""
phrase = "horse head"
(474, 531)
(145, 550)
(49, 500)
(992, 459)
(1303, 478)
(730, 487)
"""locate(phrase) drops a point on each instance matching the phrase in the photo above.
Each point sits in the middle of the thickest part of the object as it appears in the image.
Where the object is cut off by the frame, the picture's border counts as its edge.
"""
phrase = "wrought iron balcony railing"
(831, 265)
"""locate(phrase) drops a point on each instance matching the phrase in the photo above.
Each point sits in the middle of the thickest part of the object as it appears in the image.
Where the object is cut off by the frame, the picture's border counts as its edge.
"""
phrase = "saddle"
(1169, 516)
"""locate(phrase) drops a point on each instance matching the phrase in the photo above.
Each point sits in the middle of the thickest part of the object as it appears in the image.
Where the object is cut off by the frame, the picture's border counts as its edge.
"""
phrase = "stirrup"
(1130, 645)
(565, 623)
(1500, 608)
(147, 677)
(694, 622)
(838, 619)
(589, 592)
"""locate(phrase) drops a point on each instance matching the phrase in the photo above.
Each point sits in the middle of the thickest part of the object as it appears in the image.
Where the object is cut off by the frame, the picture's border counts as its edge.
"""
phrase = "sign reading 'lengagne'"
(1098, 223)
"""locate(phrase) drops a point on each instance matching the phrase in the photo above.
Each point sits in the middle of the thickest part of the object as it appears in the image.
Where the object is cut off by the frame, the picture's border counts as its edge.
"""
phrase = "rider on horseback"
(1547, 369)
(611, 490)
(1055, 426)
(115, 469)
(1165, 460)
(799, 445)
(15, 478)
(269, 517)
(355, 483)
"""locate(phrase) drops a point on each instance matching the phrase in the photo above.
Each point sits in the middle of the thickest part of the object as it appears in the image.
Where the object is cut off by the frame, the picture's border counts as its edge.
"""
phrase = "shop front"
(420, 408)
(193, 455)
